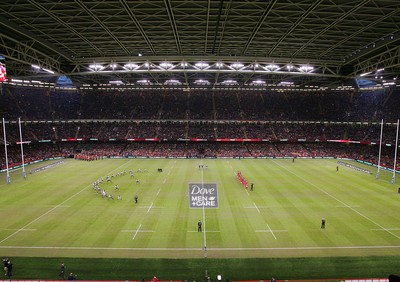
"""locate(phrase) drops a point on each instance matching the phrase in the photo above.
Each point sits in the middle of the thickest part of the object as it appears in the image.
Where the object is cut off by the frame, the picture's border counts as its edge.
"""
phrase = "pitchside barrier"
(354, 167)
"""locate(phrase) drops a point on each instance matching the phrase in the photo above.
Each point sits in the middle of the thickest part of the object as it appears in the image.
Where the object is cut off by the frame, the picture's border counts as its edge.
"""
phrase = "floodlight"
(49, 71)
(258, 81)
(306, 68)
(272, 67)
(95, 66)
(237, 65)
(202, 82)
(115, 82)
(389, 83)
(172, 82)
(289, 67)
(201, 65)
(131, 66)
(229, 82)
(286, 83)
(166, 65)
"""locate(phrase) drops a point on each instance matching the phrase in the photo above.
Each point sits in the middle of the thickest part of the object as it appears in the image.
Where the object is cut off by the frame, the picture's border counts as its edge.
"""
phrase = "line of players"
(109, 179)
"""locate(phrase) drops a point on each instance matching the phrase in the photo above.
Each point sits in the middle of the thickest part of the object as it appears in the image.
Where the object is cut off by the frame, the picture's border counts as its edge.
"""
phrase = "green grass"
(56, 215)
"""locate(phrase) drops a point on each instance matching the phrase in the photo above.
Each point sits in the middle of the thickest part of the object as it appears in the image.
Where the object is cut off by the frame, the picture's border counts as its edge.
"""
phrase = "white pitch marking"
(52, 209)
(340, 201)
(257, 208)
(275, 230)
(137, 231)
(150, 207)
(16, 181)
(23, 229)
(39, 217)
(212, 231)
(200, 249)
(130, 231)
(272, 232)
(386, 229)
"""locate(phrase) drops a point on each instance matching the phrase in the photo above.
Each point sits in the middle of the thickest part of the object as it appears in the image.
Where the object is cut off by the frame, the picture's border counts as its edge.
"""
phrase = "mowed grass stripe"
(162, 220)
(360, 195)
(361, 216)
(289, 196)
(227, 217)
(291, 206)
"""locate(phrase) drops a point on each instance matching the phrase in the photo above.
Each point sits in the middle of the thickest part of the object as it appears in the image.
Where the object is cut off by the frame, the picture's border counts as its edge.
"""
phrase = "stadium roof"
(205, 44)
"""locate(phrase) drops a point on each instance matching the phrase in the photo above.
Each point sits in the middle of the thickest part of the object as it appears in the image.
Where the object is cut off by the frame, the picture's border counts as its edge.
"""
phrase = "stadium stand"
(215, 124)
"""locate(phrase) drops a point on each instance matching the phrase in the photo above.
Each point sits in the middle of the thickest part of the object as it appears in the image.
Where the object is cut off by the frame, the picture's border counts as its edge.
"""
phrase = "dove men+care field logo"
(203, 195)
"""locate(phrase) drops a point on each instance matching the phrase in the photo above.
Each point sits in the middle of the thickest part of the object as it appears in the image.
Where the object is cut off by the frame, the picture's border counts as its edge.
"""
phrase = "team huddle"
(99, 184)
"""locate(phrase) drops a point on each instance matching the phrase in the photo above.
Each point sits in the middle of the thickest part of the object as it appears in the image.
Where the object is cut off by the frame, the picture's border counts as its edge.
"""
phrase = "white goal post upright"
(22, 148)
(5, 151)
(380, 151)
(395, 154)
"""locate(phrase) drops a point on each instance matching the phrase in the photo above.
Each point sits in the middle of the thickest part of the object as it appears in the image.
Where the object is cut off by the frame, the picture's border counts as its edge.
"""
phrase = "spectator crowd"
(93, 124)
